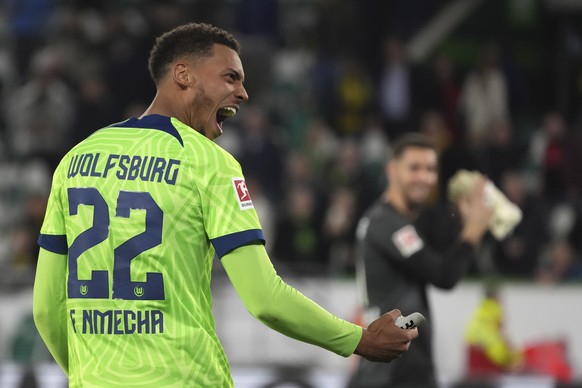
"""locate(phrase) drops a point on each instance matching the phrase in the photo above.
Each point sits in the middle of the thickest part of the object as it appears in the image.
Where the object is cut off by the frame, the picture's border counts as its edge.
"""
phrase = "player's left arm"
(49, 304)
(281, 307)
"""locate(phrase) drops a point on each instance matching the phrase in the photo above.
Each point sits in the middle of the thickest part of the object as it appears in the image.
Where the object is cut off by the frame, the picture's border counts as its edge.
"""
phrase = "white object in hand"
(410, 321)
(506, 215)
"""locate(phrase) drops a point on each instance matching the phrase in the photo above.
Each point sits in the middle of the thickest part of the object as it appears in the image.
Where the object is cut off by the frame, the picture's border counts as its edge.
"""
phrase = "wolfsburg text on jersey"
(117, 321)
(125, 167)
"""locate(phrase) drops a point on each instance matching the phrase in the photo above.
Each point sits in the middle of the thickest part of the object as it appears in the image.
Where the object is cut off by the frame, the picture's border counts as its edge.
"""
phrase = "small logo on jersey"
(242, 193)
(83, 289)
(138, 291)
(407, 241)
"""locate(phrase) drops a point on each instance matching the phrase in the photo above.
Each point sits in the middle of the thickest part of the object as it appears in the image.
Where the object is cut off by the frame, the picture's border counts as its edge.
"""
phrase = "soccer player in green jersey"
(136, 214)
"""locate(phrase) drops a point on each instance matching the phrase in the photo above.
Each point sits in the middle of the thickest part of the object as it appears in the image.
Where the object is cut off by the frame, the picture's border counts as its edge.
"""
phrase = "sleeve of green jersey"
(282, 307)
(49, 301)
(230, 219)
(54, 220)
(49, 305)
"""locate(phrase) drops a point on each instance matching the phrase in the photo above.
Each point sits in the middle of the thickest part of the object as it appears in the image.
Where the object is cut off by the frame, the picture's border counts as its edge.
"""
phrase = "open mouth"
(224, 113)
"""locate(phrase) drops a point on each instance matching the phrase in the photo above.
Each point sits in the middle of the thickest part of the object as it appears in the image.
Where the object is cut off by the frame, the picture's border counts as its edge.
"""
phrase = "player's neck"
(163, 106)
(399, 203)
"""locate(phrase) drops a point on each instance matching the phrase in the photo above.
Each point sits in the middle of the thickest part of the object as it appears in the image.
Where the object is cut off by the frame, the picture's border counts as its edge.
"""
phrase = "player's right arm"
(50, 295)
(262, 291)
(49, 304)
(286, 310)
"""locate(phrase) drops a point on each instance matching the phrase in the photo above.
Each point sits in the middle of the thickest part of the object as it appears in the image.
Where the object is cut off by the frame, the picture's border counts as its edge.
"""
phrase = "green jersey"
(140, 209)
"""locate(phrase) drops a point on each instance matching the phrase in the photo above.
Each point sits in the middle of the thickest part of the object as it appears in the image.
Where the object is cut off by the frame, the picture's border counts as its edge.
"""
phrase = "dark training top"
(401, 256)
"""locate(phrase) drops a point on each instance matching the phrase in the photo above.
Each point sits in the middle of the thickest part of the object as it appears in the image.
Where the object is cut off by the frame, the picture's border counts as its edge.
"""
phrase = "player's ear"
(181, 75)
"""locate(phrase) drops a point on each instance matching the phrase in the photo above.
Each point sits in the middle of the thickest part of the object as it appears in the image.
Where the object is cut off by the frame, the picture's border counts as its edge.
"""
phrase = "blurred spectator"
(18, 272)
(262, 155)
(7, 84)
(127, 42)
(23, 193)
(560, 263)
(518, 255)
(442, 93)
(484, 100)
(573, 163)
(51, 99)
(298, 244)
(29, 22)
(490, 352)
(374, 150)
(346, 170)
(435, 127)
(79, 33)
(374, 145)
(554, 152)
(258, 17)
(319, 147)
(339, 229)
(397, 89)
(322, 79)
(290, 97)
(94, 109)
(298, 172)
(354, 95)
(547, 154)
(574, 235)
(502, 152)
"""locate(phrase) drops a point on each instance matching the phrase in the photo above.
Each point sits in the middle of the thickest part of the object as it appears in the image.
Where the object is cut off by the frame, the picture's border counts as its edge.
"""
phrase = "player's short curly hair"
(193, 39)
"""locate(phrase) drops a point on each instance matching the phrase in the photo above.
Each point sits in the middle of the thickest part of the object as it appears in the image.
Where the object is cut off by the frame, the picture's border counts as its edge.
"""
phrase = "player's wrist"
(472, 236)
(363, 347)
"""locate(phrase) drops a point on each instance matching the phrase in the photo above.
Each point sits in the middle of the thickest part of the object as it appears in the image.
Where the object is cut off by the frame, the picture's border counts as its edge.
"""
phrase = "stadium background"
(312, 142)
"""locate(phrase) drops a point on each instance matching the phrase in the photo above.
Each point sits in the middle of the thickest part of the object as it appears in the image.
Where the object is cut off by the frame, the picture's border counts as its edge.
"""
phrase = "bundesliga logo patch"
(242, 193)
(407, 241)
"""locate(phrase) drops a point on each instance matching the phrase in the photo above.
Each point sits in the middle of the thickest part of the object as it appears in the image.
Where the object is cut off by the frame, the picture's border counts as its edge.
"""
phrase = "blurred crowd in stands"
(330, 86)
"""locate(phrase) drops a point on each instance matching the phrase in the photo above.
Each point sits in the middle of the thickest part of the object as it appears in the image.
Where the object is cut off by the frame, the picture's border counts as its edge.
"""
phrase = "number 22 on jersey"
(123, 287)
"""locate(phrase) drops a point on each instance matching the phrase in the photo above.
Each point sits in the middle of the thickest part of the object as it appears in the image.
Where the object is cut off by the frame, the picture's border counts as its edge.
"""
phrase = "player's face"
(218, 85)
(415, 175)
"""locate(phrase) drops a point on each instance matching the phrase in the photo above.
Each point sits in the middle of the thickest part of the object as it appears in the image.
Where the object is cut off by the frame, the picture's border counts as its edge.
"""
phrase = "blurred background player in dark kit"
(397, 260)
